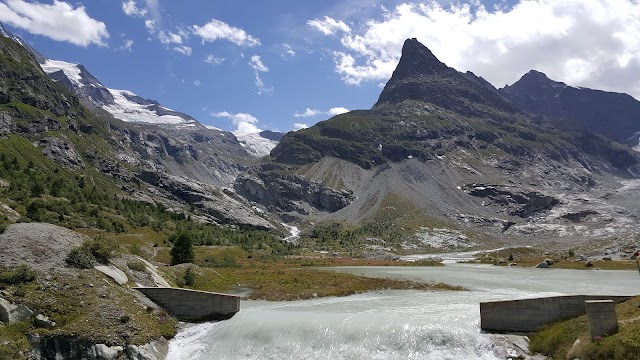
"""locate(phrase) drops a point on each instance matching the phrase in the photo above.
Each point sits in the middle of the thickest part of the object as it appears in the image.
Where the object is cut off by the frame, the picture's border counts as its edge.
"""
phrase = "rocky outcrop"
(288, 193)
(519, 203)
(11, 313)
(66, 347)
(61, 151)
(610, 114)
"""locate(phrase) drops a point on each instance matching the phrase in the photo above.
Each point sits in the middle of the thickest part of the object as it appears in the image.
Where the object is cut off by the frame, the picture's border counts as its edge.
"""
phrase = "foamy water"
(388, 324)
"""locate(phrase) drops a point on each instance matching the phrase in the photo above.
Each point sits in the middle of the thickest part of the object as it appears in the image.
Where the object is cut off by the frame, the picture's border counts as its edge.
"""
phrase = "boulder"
(113, 272)
(104, 352)
(588, 264)
(10, 313)
(42, 321)
(542, 265)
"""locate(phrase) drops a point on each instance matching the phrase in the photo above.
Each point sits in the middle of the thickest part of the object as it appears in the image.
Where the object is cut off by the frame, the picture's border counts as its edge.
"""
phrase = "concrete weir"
(191, 305)
(528, 315)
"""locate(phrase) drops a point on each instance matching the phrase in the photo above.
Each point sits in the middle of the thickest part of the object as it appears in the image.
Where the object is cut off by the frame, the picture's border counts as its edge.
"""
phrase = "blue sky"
(286, 64)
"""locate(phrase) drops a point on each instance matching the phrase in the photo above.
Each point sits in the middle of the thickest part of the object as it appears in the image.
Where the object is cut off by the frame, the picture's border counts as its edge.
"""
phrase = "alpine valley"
(443, 162)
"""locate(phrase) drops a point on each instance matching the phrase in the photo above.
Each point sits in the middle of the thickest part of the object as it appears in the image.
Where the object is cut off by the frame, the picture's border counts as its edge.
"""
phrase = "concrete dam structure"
(528, 315)
(192, 305)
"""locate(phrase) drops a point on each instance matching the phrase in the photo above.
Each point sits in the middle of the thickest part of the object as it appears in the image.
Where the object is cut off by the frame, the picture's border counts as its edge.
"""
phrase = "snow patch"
(70, 70)
(129, 111)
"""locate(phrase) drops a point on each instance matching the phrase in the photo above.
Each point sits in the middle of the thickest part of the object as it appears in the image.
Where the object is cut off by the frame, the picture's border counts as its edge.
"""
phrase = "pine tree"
(182, 250)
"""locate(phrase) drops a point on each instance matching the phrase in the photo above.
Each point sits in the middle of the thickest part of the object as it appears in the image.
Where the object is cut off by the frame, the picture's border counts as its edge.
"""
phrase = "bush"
(137, 266)
(189, 277)
(182, 250)
(90, 253)
(81, 258)
(22, 274)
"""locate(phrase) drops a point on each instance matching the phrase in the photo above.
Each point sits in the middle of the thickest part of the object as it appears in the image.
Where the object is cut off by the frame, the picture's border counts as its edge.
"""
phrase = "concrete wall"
(192, 305)
(530, 314)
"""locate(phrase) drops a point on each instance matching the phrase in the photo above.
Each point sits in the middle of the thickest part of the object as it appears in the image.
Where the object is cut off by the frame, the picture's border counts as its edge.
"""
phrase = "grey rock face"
(522, 204)
(10, 313)
(284, 192)
(61, 151)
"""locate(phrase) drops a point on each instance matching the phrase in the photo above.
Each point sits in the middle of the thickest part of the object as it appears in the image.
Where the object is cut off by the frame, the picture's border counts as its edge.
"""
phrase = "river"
(389, 324)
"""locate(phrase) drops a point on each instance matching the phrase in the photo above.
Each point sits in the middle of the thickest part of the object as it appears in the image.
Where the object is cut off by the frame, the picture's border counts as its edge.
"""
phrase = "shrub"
(81, 258)
(22, 274)
(90, 253)
(137, 266)
(189, 277)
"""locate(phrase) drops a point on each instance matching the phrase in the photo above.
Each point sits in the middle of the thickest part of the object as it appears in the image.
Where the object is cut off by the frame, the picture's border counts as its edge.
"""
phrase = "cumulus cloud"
(245, 123)
(183, 49)
(130, 8)
(210, 59)
(315, 112)
(329, 26)
(592, 43)
(257, 64)
(150, 25)
(288, 51)
(308, 113)
(300, 126)
(337, 111)
(219, 30)
(58, 21)
(169, 38)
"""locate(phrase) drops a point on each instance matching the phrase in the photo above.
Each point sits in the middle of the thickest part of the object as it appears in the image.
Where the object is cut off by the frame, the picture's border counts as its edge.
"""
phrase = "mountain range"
(442, 160)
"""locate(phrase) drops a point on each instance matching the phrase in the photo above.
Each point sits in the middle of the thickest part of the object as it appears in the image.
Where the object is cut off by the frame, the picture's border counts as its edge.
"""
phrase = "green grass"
(557, 339)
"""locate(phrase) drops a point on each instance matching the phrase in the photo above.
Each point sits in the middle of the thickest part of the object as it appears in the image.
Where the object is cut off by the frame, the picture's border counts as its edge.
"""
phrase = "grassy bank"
(228, 269)
(558, 339)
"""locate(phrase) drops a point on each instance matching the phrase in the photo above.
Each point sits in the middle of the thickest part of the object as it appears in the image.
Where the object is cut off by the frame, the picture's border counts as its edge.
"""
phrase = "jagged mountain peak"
(417, 60)
(420, 76)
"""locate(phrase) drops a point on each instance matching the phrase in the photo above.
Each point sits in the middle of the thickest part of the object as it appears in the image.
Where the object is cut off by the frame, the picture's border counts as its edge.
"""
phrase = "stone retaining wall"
(192, 305)
(528, 315)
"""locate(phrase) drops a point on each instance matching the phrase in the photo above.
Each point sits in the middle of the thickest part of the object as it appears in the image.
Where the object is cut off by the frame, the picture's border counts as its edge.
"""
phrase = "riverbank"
(570, 339)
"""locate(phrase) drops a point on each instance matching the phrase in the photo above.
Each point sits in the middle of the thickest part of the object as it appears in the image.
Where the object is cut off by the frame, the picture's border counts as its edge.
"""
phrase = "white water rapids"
(389, 324)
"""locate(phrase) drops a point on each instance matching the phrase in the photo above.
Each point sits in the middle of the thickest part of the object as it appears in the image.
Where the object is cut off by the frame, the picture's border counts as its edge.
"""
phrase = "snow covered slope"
(255, 143)
(122, 104)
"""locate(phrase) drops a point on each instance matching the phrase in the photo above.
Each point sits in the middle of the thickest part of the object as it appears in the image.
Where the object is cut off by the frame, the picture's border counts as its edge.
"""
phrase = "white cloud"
(308, 113)
(197, 83)
(183, 49)
(315, 112)
(257, 64)
(150, 25)
(329, 26)
(127, 45)
(592, 43)
(245, 123)
(262, 88)
(210, 59)
(219, 30)
(58, 21)
(131, 9)
(288, 51)
(169, 38)
(337, 111)
(300, 126)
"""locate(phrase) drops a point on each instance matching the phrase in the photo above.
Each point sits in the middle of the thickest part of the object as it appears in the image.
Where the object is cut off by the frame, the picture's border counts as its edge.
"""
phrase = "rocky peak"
(417, 60)
(420, 76)
(610, 114)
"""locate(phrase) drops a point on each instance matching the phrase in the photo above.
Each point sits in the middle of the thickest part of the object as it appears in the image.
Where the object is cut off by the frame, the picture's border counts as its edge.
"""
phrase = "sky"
(250, 65)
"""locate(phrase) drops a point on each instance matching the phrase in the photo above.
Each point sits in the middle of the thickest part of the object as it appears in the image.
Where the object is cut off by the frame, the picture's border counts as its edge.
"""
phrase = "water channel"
(390, 324)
